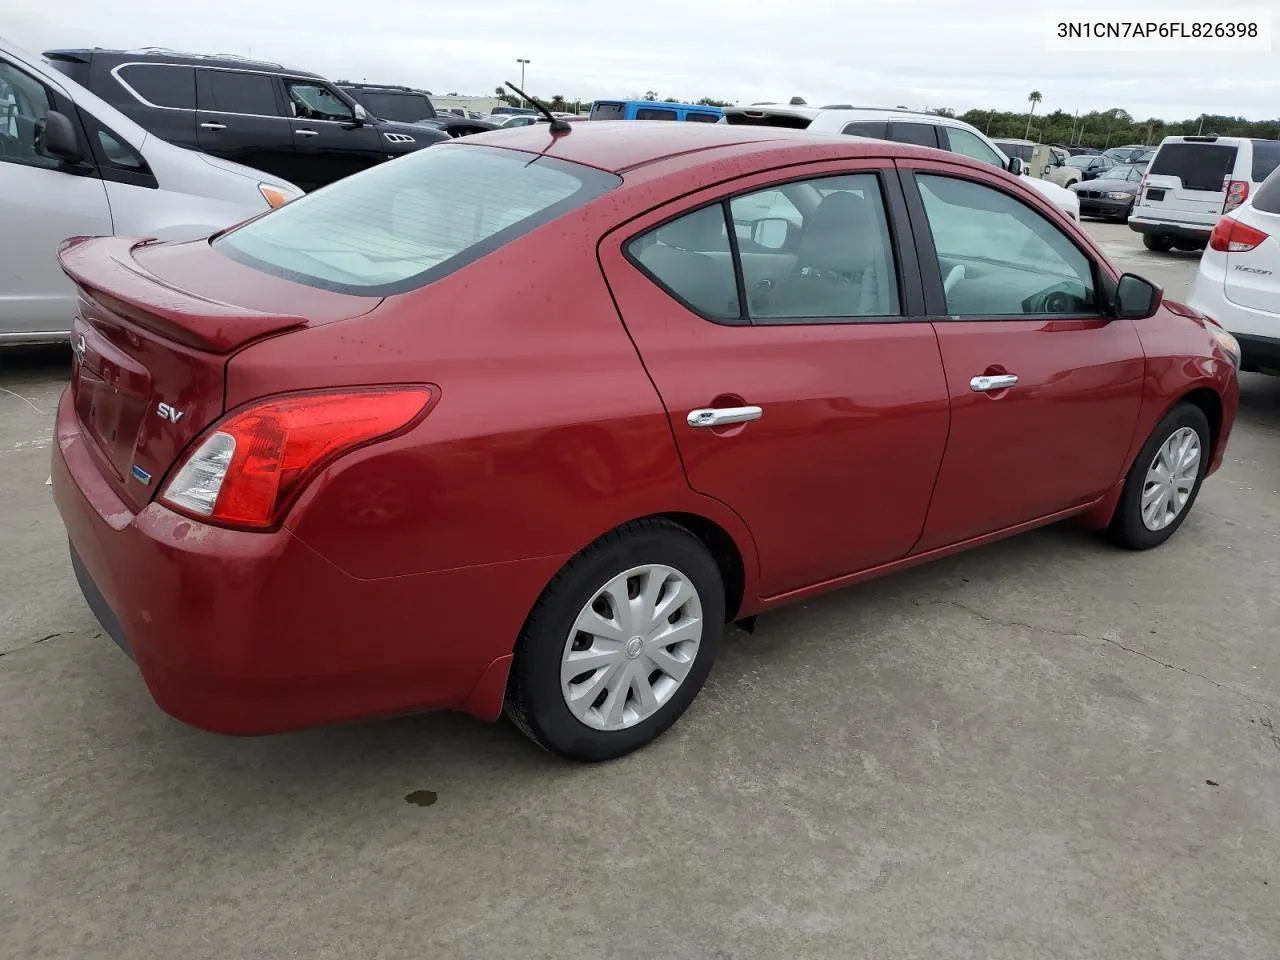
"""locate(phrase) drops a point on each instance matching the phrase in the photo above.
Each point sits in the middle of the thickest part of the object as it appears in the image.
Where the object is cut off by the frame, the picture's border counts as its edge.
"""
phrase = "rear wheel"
(1157, 243)
(1164, 480)
(619, 644)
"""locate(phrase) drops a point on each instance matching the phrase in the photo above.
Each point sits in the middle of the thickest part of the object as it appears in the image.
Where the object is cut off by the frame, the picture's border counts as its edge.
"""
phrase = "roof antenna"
(557, 125)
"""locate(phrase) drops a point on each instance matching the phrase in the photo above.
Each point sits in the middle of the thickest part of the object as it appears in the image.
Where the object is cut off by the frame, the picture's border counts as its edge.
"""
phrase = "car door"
(1045, 388)
(241, 117)
(330, 143)
(43, 201)
(803, 387)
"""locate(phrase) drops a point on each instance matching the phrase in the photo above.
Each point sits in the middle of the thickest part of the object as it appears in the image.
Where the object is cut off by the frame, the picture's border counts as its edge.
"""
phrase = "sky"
(962, 54)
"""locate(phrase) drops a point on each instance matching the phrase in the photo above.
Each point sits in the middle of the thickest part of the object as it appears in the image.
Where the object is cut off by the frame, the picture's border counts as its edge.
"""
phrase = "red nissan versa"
(526, 418)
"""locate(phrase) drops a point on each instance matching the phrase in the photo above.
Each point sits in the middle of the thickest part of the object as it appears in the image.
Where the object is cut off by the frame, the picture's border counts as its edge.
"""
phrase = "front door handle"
(722, 416)
(986, 384)
(307, 133)
(213, 126)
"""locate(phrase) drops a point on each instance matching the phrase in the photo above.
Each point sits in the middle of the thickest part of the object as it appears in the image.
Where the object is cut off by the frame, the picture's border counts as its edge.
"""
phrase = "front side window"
(969, 144)
(1000, 258)
(314, 101)
(399, 226)
(248, 93)
(651, 113)
(161, 84)
(24, 105)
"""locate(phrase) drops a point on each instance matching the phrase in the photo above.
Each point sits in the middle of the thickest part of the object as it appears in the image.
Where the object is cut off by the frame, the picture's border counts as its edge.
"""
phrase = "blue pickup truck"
(653, 110)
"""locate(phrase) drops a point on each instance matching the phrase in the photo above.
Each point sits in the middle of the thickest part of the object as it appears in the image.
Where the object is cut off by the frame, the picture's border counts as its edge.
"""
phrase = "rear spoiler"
(106, 269)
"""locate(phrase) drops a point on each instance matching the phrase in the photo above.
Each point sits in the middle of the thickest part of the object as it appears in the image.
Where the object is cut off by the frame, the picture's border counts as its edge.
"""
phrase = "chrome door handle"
(1001, 381)
(213, 126)
(722, 416)
(306, 133)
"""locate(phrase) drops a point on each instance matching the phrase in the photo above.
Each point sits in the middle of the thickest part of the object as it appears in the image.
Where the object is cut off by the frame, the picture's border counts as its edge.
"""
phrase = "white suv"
(1238, 283)
(903, 126)
(1192, 181)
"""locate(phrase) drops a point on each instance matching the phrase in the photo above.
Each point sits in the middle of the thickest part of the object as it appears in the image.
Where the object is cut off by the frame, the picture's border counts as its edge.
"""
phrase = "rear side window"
(233, 92)
(691, 259)
(921, 134)
(649, 113)
(1267, 199)
(398, 107)
(160, 84)
(1200, 166)
(695, 117)
(865, 128)
(608, 111)
(402, 225)
(1266, 157)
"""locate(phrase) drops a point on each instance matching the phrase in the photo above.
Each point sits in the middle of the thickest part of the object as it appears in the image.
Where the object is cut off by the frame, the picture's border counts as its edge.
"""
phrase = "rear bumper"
(1164, 228)
(1258, 331)
(248, 633)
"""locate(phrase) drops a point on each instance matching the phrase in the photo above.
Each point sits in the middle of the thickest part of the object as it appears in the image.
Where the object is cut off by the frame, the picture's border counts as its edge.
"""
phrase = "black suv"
(407, 105)
(291, 123)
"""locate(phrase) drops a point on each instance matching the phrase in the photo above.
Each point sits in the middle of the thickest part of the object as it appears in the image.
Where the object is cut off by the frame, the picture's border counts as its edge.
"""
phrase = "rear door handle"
(307, 133)
(213, 126)
(722, 416)
(986, 384)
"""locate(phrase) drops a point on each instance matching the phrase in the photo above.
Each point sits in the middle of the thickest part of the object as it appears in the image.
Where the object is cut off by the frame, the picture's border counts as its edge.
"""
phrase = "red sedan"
(524, 419)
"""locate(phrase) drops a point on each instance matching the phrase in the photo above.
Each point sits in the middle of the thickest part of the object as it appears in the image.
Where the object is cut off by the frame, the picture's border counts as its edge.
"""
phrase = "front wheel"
(1164, 480)
(619, 644)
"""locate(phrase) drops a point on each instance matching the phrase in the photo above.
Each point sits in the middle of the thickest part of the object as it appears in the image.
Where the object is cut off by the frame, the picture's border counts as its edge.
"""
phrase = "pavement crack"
(1088, 636)
(28, 646)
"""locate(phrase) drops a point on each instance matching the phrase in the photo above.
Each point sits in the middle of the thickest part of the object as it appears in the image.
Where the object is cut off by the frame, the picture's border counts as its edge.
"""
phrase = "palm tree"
(1033, 98)
(557, 102)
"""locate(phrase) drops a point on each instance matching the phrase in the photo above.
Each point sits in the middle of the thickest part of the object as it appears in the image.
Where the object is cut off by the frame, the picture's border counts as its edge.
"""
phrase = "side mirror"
(361, 115)
(1016, 166)
(771, 233)
(1136, 297)
(58, 139)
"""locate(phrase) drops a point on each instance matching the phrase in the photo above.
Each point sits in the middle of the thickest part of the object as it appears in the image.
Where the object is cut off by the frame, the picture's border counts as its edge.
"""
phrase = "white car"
(72, 165)
(903, 126)
(1192, 181)
(1238, 283)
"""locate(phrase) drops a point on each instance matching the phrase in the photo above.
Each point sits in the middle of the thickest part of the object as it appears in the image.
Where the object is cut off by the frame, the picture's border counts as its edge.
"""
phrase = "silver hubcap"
(631, 647)
(1170, 479)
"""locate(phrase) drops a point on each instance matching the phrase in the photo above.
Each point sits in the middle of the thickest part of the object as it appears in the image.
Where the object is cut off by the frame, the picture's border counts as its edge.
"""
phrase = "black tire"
(1126, 213)
(535, 702)
(1127, 528)
(1157, 243)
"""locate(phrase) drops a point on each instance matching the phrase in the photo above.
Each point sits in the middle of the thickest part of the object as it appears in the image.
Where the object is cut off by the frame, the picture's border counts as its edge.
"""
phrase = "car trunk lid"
(151, 344)
(1186, 182)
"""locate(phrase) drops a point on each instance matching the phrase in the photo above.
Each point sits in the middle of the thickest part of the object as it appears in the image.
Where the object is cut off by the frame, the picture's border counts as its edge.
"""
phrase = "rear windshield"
(404, 224)
(1266, 157)
(1267, 199)
(398, 107)
(608, 111)
(1200, 166)
(762, 119)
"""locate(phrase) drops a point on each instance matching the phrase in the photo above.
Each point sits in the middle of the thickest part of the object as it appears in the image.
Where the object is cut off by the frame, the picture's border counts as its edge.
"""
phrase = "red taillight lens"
(248, 468)
(1237, 193)
(1232, 236)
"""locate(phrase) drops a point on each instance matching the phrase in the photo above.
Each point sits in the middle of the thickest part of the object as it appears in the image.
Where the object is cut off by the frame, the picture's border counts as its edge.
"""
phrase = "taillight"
(1232, 236)
(248, 468)
(1237, 193)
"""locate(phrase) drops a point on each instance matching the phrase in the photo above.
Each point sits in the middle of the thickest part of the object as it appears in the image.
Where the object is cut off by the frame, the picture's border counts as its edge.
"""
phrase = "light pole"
(522, 63)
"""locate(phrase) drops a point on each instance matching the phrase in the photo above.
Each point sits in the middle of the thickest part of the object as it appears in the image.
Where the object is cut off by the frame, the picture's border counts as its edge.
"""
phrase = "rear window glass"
(649, 113)
(865, 128)
(397, 107)
(1267, 199)
(921, 134)
(608, 111)
(1022, 151)
(404, 224)
(161, 84)
(1200, 166)
(759, 118)
(1266, 157)
(253, 94)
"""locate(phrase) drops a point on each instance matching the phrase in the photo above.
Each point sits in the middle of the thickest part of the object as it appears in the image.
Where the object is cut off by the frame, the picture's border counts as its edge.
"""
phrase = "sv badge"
(172, 414)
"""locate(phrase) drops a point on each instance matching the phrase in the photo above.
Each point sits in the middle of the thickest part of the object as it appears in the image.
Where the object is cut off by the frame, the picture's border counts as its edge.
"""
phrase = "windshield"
(1081, 161)
(408, 222)
(398, 107)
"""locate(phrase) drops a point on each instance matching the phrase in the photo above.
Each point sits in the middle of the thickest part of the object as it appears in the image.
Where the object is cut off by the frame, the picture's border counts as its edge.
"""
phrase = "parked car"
(1192, 181)
(72, 165)
(517, 120)
(1129, 153)
(641, 432)
(1113, 194)
(902, 126)
(1078, 149)
(1043, 161)
(508, 110)
(1091, 166)
(290, 123)
(652, 110)
(1238, 283)
(407, 105)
